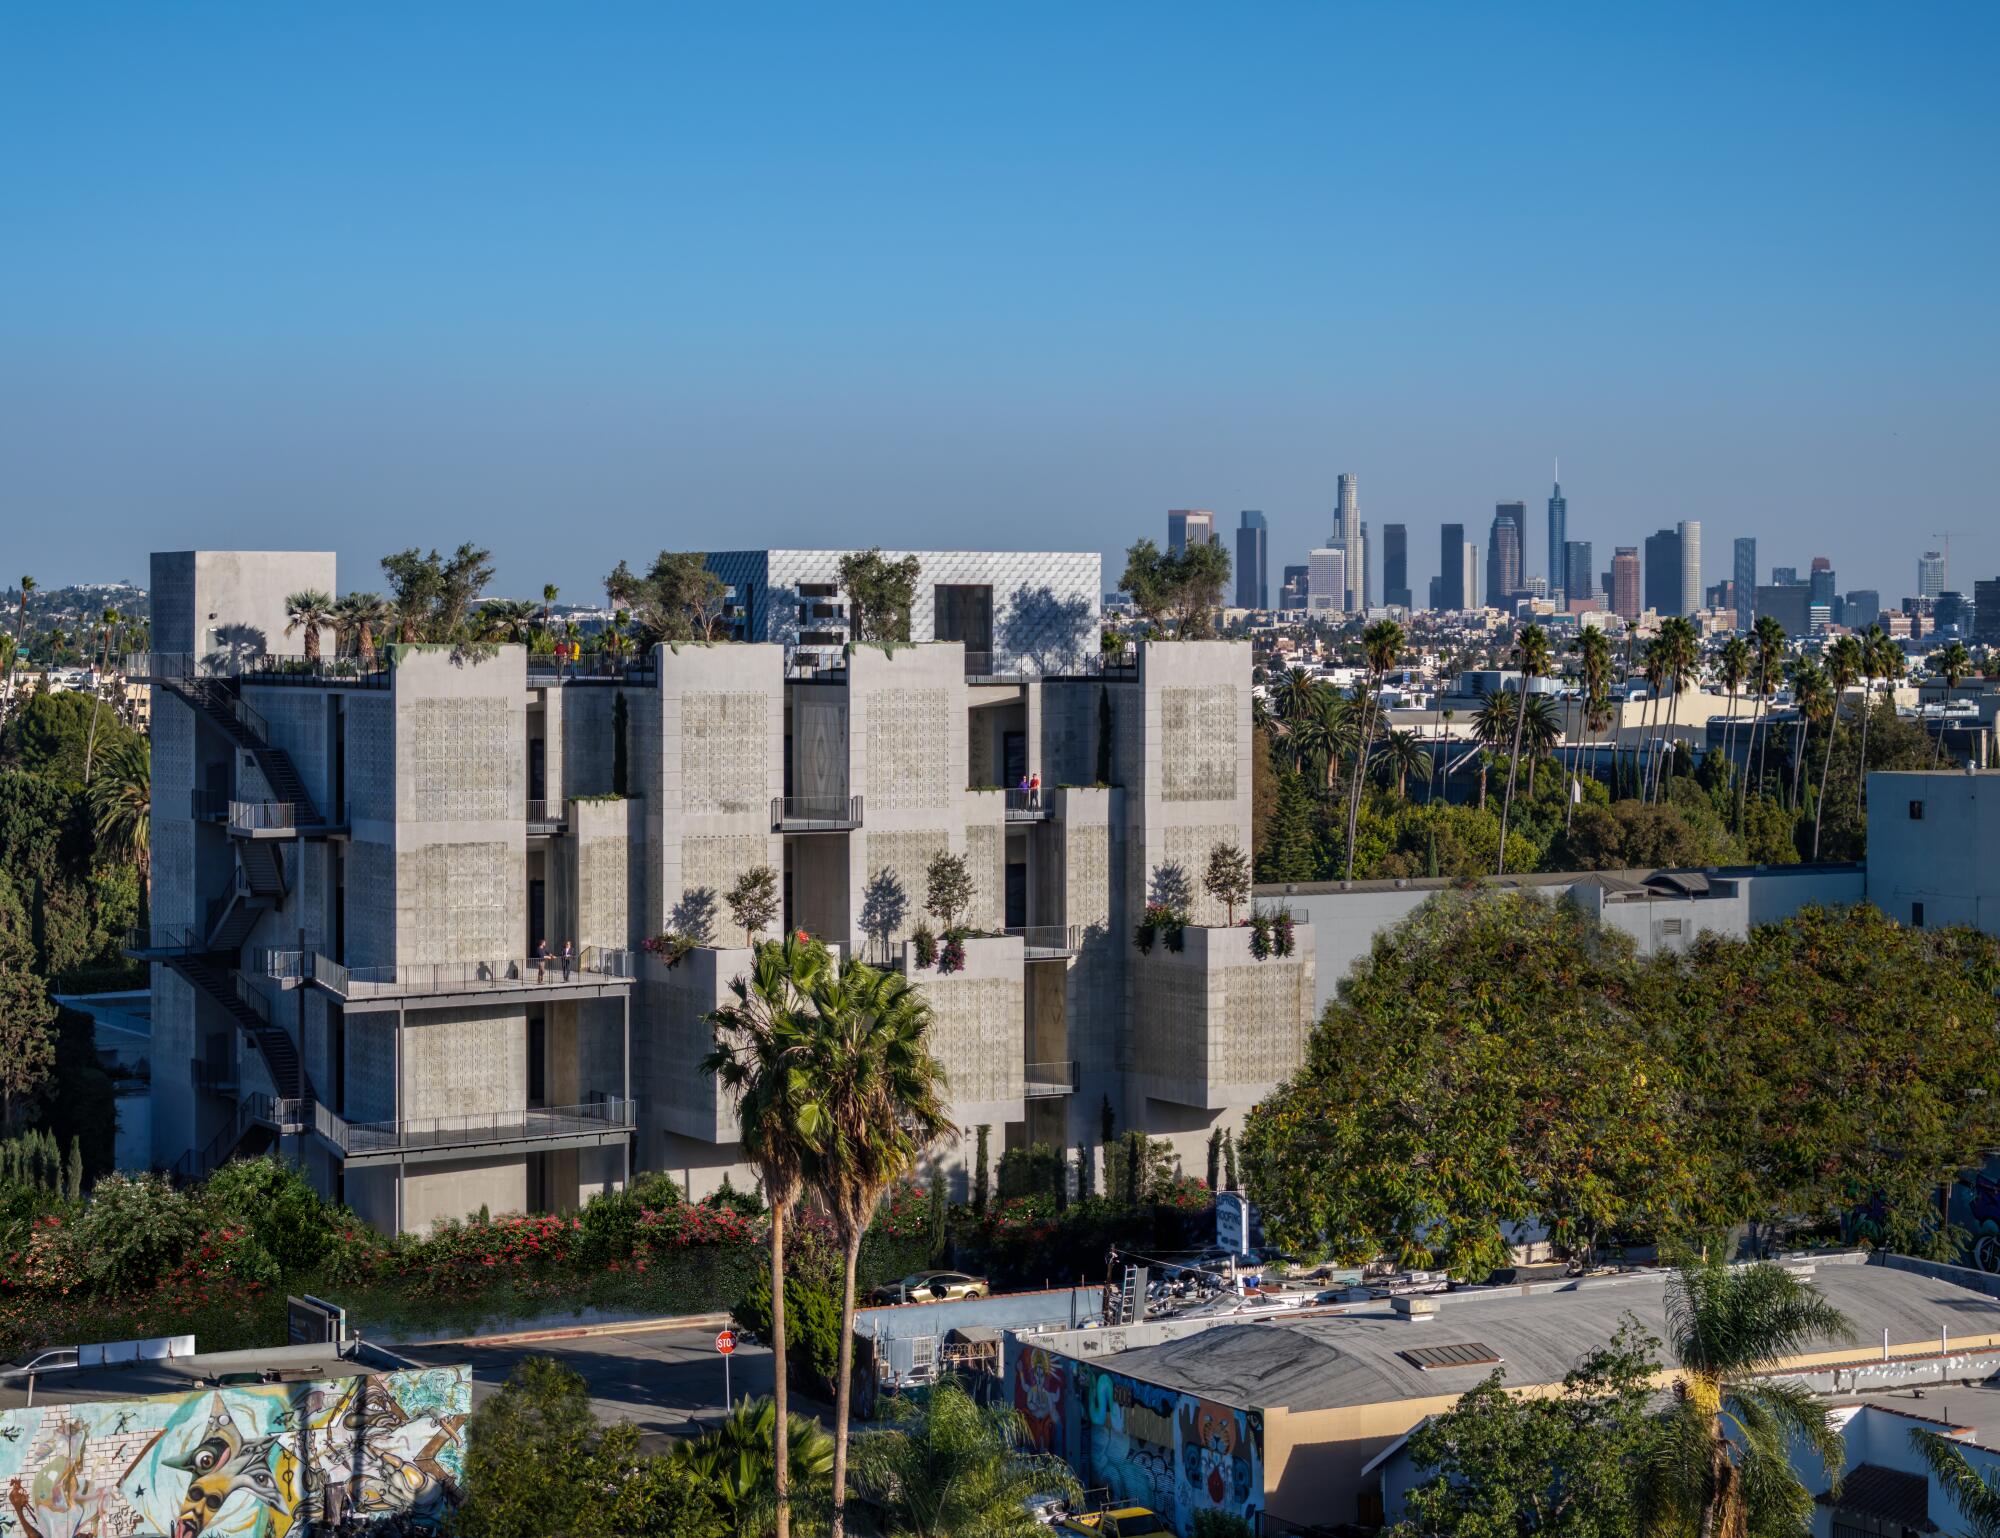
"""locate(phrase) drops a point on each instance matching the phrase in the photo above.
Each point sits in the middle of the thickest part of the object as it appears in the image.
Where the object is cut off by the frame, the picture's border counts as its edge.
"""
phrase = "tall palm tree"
(102, 662)
(1872, 640)
(550, 592)
(1976, 1495)
(504, 619)
(1595, 650)
(1294, 694)
(1721, 1466)
(309, 610)
(1543, 734)
(1890, 666)
(1842, 664)
(1653, 668)
(1682, 659)
(1816, 706)
(371, 615)
(956, 1468)
(1951, 664)
(1441, 759)
(759, 1058)
(1767, 638)
(28, 585)
(1534, 658)
(121, 805)
(1490, 725)
(1405, 756)
(879, 1096)
(1382, 645)
(1732, 668)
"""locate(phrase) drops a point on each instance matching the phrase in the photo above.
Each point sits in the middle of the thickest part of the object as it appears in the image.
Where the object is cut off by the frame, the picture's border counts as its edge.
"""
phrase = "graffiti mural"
(1178, 1454)
(261, 1461)
(1038, 1397)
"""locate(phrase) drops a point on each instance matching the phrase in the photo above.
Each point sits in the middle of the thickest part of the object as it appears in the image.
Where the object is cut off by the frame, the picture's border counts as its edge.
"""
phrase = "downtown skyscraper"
(1558, 539)
(1504, 546)
(1396, 565)
(1189, 525)
(1745, 577)
(1454, 591)
(1347, 537)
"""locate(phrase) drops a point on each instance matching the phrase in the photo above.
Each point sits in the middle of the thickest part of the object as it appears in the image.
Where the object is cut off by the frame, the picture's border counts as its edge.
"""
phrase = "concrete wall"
(231, 603)
(1948, 860)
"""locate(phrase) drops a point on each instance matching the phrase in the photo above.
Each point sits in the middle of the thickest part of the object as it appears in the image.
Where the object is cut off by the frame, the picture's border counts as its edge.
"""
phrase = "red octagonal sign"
(725, 1342)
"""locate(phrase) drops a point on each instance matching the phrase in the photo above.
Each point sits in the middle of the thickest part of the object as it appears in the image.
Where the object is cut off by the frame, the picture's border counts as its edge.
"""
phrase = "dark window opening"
(1017, 895)
(964, 612)
(538, 1061)
(1916, 915)
(1916, 811)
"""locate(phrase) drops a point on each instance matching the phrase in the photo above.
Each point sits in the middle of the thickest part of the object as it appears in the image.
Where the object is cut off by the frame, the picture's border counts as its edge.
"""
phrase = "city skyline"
(664, 272)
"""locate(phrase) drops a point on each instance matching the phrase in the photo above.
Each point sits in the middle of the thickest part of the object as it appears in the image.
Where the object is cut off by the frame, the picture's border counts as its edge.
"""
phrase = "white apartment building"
(354, 873)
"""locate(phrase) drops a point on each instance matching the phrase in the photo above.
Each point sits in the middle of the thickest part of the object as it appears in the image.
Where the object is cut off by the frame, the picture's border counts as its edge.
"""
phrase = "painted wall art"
(1174, 1452)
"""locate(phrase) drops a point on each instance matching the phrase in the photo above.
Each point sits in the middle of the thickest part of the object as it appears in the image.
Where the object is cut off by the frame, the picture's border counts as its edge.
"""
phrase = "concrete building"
(1293, 1422)
(354, 872)
(1253, 561)
(1347, 538)
(1189, 526)
(1396, 565)
(1292, 595)
(1930, 574)
(1934, 847)
(1745, 583)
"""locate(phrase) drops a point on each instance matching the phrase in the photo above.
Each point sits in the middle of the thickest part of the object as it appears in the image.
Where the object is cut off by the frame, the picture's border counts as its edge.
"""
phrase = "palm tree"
(1532, 653)
(103, 664)
(1732, 667)
(28, 585)
(1951, 664)
(759, 1056)
(1295, 694)
(1817, 705)
(1872, 640)
(1405, 756)
(121, 805)
(736, 1461)
(878, 1094)
(1842, 664)
(371, 616)
(1595, 650)
(504, 619)
(1890, 666)
(1382, 644)
(1721, 1466)
(1490, 726)
(1682, 656)
(550, 592)
(1653, 666)
(1543, 733)
(1767, 638)
(955, 1469)
(1441, 760)
(311, 611)
(1976, 1495)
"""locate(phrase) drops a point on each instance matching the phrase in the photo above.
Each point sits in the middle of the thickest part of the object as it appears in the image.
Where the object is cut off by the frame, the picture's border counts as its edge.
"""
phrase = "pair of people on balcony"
(1030, 790)
(543, 959)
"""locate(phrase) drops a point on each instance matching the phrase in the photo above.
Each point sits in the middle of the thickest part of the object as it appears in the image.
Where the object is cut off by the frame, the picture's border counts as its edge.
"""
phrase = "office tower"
(1930, 574)
(1558, 537)
(1785, 576)
(1451, 592)
(1820, 583)
(1253, 585)
(1746, 583)
(1663, 572)
(1326, 582)
(1789, 603)
(1861, 608)
(1189, 524)
(1503, 553)
(1347, 533)
(1625, 582)
(1720, 598)
(1689, 533)
(1578, 582)
(1292, 595)
(1950, 610)
(1986, 612)
(1364, 588)
(1468, 576)
(1396, 565)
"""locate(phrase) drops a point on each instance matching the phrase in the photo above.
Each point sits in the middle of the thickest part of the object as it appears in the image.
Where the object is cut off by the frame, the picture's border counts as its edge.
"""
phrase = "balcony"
(815, 814)
(418, 1140)
(598, 972)
(295, 668)
(1045, 1081)
(987, 667)
(1048, 942)
(1030, 806)
(544, 671)
(161, 941)
(816, 665)
(547, 818)
(263, 819)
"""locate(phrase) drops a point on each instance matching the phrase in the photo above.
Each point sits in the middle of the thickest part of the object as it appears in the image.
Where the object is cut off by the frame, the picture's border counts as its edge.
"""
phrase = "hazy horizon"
(583, 285)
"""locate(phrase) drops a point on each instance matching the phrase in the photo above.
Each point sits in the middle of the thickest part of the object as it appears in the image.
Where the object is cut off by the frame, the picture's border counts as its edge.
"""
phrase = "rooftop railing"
(1029, 806)
(1043, 942)
(815, 664)
(815, 814)
(1043, 1081)
(414, 1134)
(546, 815)
(262, 817)
(296, 668)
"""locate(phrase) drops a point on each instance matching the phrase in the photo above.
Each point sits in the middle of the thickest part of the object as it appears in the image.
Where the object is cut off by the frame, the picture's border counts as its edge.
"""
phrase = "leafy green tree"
(27, 1042)
(678, 599)
(1951, 663)
(135, 1228)
(1564, 1466)
(1291, 847)
(1721, 1459)
(753, 901)
(280, 1208)
(954, 1468)
(1185, 589)
(1227, 878)
(947, 887)
(1976, 1495)
(49, 735)
(1488, 1063)
(880, 593)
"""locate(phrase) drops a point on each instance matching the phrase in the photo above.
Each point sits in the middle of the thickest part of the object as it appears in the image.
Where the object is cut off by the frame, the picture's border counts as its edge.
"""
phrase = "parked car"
(931, 1287)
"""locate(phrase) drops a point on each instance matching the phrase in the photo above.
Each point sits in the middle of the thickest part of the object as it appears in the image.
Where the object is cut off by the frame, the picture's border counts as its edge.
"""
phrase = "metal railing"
(1048, 940)
(297, 668)
(1029, 805)
(815, 664)
(544, 670)
(594, 964)
(429, 1132)
(217, 1078)
(164, 938)
(252, 997)
(262, 817)
(804, 814)
(1003, 666)
(1042, 1081)
(284, 966)
(547, 813)
(208, 805)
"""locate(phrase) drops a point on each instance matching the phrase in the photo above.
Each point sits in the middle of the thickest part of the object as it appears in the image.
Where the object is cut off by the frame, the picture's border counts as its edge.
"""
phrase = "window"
(1916, 811)
(1432, 1358)
(1670, 926)
(817, 589)
(1916, 915)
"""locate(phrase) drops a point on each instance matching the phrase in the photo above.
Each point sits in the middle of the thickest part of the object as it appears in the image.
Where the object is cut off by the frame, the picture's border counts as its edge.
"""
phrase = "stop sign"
(725, 1342)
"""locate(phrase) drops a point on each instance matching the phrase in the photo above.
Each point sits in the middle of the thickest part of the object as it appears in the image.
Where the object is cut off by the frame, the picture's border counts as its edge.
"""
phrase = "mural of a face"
(225, 1463)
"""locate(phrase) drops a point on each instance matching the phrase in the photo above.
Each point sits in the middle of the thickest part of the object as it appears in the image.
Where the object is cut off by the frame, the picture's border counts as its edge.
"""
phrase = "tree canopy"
(1184, 589)
(677, 599)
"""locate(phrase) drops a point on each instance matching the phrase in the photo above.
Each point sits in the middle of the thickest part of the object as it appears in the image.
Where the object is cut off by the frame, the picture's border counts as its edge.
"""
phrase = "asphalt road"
(666, 1382)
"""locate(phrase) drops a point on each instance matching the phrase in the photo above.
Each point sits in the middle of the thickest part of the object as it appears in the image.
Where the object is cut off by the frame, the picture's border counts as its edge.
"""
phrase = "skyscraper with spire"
(1558, 537)
(1347, 537)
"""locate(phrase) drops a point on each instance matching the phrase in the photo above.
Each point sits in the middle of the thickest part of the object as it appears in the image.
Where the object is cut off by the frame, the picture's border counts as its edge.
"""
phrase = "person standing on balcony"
(542, 962)
(1035, 792)
(568, 955)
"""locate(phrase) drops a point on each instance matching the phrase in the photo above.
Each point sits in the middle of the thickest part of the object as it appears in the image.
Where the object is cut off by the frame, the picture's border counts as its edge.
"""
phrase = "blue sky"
(583, 282)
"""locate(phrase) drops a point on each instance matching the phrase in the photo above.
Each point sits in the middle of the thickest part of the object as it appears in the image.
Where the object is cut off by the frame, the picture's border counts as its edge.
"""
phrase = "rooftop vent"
(1443, 1358)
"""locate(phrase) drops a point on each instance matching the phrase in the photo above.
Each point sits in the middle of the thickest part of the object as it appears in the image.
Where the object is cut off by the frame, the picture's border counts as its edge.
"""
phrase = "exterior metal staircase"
(251, 1128)
(212, 976)
(219, 701)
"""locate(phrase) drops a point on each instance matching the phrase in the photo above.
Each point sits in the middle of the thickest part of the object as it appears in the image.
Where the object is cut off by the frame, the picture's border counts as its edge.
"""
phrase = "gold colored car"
(931, 1287)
